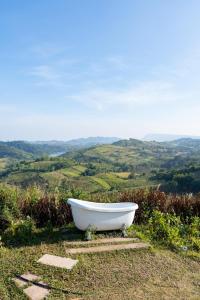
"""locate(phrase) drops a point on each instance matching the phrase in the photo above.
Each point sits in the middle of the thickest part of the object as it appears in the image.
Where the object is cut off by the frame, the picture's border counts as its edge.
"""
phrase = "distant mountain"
(138, 156)
(27, 150)
(186, 142)
(8, 151)
(166, 137)
(122, 164)
(92, 141)
(123, 152)
(129, 143)
(80, 142)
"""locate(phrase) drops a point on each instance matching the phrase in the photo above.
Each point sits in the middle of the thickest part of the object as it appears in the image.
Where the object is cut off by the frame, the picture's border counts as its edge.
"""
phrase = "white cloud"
(177, 84)
(117, 62)
(144, 93)
(45, 72)
(47, 50)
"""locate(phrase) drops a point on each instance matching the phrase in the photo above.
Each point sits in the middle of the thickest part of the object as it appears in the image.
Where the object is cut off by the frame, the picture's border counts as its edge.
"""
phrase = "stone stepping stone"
(24, 279)
(107, 248)
(58, 261)
(36, 292)
(101, 241)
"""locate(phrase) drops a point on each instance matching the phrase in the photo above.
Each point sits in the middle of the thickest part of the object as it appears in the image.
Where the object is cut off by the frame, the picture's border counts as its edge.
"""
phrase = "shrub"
(168, 230)
(9, 209)
(20, 230)
(47, 209)
(195, 244)
(165, 229)
(186, 206)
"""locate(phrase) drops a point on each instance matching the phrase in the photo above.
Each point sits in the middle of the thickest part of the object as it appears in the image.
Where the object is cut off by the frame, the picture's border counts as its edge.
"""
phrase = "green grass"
(101, 182)
(141, 274)
(70, 172)
(41, 164)
(79, 168)
(3, 163)
(53, 178)
(123, 175)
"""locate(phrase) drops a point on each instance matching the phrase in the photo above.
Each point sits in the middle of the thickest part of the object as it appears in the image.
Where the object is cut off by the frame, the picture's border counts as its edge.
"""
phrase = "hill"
(26, 150)
(124, 164)
(167, 137)
(7, 150)
(135, 154)
(91, 141)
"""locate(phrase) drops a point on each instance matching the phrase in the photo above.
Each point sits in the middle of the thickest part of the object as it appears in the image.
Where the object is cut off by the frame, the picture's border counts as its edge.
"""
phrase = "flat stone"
(20, 283)
(107, 248)
(101, 241)
(58, 261)
(27, 277)
(35, 292)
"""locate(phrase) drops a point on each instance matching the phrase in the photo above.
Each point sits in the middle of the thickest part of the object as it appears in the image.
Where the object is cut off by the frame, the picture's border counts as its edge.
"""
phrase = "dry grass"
(142, 274)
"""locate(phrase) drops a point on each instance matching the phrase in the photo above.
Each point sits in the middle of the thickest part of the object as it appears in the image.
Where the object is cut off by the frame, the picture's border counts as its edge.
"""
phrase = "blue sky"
(74, 68)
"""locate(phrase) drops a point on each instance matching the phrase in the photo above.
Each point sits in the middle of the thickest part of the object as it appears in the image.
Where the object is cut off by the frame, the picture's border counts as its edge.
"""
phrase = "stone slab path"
(35, 292)
(101, 241)
(58, 261)
(107, 248)
(24, 279)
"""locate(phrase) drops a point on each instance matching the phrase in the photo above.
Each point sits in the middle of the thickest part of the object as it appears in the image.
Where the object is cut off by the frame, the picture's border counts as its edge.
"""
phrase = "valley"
(124, 164)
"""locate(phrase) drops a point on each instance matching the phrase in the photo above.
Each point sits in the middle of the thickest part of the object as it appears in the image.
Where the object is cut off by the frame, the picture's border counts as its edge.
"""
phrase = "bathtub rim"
(103, 207)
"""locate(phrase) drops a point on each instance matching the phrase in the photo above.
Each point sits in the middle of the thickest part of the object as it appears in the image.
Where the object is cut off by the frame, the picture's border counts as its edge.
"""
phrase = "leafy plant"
(165, 228)
(9, 209)
(20, 230)
(89, 234)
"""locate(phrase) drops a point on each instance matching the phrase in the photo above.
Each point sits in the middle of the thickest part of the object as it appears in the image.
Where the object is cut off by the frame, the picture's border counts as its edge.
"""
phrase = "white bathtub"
(103, 216)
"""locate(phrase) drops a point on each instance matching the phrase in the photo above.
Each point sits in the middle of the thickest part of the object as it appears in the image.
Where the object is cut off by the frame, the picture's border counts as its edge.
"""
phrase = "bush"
(165, 229)
(186, 206)
(47, 209)
(168, 230)
(9, 209)
(20, 230)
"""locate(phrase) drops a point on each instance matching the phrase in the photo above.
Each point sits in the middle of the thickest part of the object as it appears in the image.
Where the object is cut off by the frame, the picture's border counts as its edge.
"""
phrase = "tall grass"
(186, 206)
(44, 208)
(47, 209)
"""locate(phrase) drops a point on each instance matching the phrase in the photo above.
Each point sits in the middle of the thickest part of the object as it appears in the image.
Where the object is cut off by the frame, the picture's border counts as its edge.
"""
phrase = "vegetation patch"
(143, 273)
(101, 182)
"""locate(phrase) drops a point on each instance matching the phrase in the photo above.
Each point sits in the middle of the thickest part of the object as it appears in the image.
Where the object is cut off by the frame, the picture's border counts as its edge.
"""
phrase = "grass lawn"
(140, 274)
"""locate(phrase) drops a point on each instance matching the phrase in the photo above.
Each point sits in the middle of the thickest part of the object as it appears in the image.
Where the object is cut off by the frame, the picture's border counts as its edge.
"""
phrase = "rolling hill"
(167, 137)
(124, 164)
(26, 150)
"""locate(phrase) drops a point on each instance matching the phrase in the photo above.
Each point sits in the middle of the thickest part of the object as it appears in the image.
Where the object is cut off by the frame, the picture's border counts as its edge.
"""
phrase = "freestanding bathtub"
(102, 216)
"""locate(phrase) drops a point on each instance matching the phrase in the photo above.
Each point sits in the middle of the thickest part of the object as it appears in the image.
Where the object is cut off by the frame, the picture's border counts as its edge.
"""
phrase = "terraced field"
(123, 164)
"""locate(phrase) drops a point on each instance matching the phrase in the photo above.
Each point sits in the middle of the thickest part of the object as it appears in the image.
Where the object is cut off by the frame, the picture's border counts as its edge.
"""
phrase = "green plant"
(186, 206)
(1, 243)
(89, 234)
(9, 209)
(20, 230)
(165, 228)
